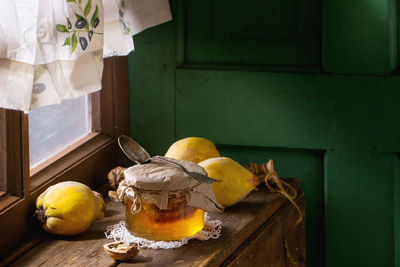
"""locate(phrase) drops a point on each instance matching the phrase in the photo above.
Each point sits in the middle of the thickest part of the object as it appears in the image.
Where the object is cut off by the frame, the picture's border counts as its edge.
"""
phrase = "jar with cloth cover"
(163, 202)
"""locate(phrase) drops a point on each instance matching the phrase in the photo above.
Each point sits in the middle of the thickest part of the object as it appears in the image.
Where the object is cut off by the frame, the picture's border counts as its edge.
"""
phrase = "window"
(87, 160)
(54, 128)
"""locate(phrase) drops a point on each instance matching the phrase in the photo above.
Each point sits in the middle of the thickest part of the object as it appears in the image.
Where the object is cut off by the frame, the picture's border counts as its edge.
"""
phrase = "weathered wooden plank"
(15, 152)
(272, 237)
(309, 166)
(359, 209)
(152, 88)
(27, 245)
(289, 110)
(239, 229)
(269, 238)
(106, 99)
(3, 155)
(25, 162)
(239, 223)
(359, 37)
(82, 250)
(120, 96)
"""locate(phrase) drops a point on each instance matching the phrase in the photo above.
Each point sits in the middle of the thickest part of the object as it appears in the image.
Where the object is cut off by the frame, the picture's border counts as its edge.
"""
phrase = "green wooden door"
(314, 90)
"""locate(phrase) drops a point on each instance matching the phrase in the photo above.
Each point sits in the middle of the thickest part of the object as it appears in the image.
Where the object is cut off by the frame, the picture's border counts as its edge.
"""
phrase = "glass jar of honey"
(174, 223)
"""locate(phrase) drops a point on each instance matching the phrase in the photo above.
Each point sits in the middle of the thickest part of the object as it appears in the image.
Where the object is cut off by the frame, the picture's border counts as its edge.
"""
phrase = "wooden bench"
(258, 231)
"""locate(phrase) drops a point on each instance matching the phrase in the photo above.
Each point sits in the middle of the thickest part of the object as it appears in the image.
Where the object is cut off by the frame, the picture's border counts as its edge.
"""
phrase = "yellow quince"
(234, 181)
(194, 149)
(69, 208)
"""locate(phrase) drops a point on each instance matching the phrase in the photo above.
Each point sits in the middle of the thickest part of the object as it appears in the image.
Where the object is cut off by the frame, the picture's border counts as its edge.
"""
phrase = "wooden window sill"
(254, 231)
(69, 157)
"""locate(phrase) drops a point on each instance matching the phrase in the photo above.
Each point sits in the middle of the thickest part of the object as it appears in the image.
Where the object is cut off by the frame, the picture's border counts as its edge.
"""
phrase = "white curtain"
(52, 50)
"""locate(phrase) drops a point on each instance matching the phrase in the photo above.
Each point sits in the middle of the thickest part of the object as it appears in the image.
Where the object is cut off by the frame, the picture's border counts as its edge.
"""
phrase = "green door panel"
(152, 88)
(273, 32)
(396, 204)
(359, 36)
(359, 209)
(308, 166)
(202, 75)
(289, 110)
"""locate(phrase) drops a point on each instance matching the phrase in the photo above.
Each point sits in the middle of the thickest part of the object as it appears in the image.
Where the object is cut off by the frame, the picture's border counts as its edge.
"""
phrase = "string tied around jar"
(135, 194)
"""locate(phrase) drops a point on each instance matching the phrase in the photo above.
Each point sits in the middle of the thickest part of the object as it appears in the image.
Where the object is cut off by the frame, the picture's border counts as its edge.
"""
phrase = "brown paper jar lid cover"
(158, 178)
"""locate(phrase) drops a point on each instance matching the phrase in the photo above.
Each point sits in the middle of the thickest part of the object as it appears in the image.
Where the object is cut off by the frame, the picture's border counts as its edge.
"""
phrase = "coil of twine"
(276, 185)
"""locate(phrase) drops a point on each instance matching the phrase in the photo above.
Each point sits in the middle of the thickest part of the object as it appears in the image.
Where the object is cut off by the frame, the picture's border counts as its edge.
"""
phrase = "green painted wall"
(311, 89)
(359, 208)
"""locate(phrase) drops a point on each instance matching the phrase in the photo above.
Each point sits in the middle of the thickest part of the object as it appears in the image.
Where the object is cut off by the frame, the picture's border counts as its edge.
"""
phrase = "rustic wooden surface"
(246, 226)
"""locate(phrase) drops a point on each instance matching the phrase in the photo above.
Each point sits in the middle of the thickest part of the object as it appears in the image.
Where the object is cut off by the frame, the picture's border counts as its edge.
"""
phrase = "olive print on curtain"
(53, 50)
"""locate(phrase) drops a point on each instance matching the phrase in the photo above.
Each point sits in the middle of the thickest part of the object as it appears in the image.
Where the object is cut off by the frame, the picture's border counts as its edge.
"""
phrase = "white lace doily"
(119, 232)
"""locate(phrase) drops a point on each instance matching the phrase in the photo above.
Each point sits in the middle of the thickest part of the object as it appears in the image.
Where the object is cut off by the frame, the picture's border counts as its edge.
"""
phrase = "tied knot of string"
(135, 195)
(275, 184)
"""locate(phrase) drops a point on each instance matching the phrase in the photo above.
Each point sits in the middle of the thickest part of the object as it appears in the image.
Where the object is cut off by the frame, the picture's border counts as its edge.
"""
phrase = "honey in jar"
(176, 222)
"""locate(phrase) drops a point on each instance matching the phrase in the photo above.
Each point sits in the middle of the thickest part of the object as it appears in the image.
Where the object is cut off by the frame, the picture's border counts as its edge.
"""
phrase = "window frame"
(87, 161)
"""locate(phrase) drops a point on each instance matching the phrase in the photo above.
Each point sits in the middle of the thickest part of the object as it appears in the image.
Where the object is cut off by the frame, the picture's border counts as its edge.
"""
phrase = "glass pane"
(54, 128)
